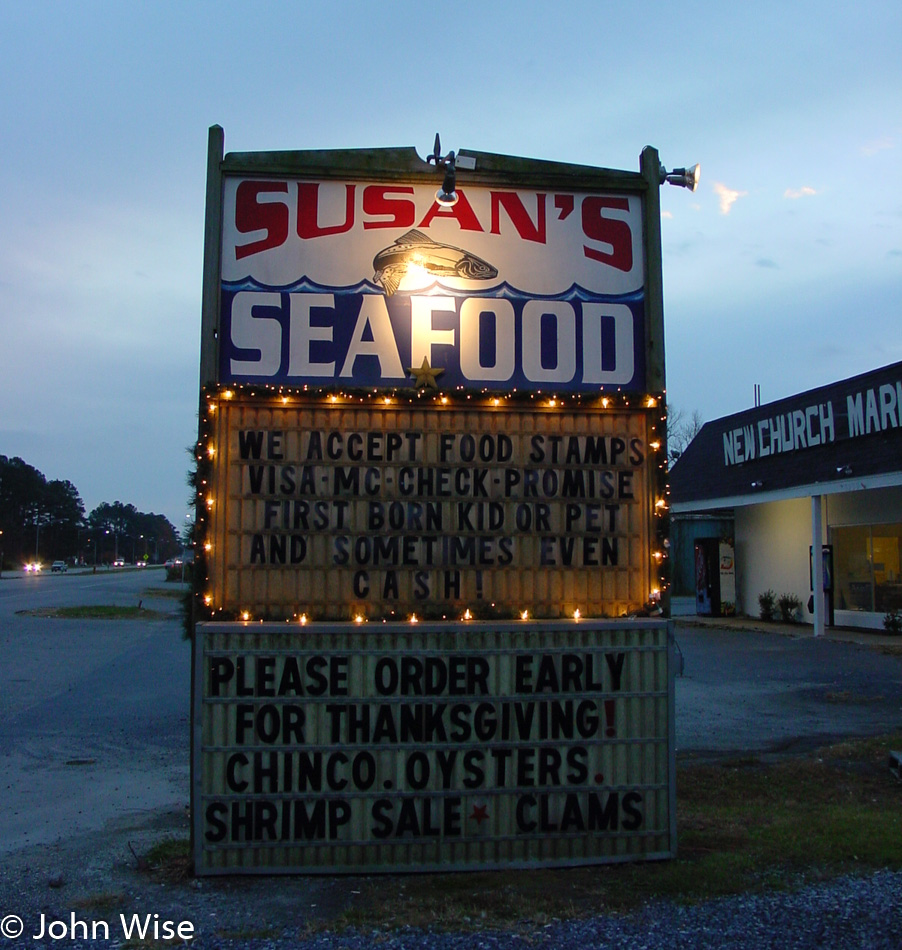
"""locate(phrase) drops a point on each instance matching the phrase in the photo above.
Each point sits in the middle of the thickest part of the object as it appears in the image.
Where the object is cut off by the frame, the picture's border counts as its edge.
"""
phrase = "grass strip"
(95, 612)
(744, 825)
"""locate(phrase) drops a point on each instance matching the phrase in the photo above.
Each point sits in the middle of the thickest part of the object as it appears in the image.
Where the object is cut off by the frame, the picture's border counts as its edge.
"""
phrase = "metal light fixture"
(684, 177)
(446, 196)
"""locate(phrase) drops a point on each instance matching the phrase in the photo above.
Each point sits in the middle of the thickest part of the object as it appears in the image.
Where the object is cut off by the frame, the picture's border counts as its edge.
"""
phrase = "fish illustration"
(415, 249)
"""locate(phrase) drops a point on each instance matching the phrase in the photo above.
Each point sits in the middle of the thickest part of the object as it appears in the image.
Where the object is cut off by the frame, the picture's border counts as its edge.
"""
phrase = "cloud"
(667, 214)
(804, 192)
(878, 145)
(727, 196)
(768, 263)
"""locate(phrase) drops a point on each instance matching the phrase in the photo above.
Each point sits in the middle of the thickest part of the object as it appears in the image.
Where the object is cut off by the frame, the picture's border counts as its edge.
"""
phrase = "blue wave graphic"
(502, 290)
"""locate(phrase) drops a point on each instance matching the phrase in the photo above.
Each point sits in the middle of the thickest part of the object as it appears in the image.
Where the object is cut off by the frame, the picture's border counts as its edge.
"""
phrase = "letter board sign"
(341, 509)
(349, 750)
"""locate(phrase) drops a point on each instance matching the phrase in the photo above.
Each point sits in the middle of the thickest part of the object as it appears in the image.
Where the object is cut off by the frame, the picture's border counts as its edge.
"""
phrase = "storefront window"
(868, 567)
(887, 546)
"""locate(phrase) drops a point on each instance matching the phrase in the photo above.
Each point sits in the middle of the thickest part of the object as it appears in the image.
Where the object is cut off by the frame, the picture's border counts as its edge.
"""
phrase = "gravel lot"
(853, 912)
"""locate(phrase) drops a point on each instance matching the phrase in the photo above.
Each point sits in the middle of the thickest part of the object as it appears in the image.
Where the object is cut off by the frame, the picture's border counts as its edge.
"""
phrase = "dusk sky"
(784, 269)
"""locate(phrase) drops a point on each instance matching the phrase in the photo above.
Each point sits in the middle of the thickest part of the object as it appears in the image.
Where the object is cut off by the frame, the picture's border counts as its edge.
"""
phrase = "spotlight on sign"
(446, 196)
(683, 177)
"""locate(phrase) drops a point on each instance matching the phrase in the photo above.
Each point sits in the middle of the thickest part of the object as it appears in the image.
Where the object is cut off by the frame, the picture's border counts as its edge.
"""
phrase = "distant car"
(59, 567)
(140, 563)
(173, 562)
(33, 567)
(119, 562)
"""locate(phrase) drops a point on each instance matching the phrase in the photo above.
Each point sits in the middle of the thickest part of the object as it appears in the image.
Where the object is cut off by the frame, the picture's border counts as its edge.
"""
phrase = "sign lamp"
(446, 195)
(684, 177)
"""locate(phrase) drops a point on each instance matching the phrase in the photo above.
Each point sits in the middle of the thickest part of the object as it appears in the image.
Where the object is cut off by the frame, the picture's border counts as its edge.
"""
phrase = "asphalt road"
(94, 715)
(781, 690)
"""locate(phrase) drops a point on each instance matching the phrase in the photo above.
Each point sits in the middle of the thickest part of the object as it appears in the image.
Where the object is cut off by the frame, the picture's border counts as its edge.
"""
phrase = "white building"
(824, 465)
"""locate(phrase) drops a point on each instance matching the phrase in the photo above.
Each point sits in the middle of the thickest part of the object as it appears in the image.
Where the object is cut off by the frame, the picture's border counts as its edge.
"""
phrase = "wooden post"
(650, 165)
(209, 349)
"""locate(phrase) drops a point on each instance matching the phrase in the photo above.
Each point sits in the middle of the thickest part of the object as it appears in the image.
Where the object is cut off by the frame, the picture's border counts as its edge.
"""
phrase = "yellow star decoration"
(425, 375)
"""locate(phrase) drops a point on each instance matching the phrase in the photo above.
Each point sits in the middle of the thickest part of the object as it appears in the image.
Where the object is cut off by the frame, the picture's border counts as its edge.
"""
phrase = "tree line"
(44, 520)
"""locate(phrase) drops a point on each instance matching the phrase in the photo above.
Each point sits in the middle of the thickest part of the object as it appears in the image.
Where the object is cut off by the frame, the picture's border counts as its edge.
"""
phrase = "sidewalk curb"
(861, 636)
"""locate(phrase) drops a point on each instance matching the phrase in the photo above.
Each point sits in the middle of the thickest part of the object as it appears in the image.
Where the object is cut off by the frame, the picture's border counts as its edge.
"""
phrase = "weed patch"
(103, 903)
(168, 860)
(162, 592)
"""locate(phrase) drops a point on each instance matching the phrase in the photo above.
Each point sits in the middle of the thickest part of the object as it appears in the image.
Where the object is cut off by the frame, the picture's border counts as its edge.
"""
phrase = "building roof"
(843, 437)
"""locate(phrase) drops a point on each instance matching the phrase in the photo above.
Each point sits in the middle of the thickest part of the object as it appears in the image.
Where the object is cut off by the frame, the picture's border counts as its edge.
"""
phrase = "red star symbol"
(480, 814)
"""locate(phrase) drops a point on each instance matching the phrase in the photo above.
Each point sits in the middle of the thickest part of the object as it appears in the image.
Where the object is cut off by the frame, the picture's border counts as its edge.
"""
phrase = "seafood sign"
(415, 249)
(351, 283)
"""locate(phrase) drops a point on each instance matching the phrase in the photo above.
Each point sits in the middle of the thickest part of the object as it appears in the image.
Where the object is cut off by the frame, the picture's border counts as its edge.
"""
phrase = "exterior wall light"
(684, 177)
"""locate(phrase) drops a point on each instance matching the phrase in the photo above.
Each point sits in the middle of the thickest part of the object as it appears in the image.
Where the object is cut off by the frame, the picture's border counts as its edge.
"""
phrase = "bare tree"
(681, 430)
